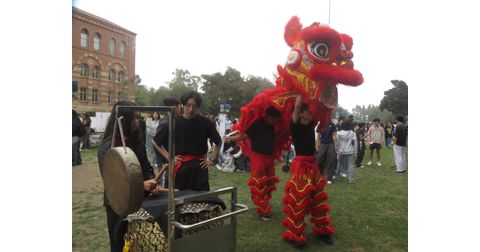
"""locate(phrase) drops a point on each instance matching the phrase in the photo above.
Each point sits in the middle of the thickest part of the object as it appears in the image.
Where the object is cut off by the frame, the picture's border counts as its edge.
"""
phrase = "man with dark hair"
(399, 144)
(262, 170)
(376, 138)
(327, 155)
(192, 131)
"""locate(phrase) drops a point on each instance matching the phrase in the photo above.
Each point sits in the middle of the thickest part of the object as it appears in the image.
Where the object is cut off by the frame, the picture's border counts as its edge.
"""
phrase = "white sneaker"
(343, 175)
(329, 182)
(369, 163)
(379, 164)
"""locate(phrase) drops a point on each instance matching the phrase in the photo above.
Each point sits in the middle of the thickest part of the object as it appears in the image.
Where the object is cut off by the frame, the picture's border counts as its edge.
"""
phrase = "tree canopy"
(396, 99)
(218, 88)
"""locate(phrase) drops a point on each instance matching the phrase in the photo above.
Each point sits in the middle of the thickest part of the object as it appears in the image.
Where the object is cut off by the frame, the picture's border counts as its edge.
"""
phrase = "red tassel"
(320, 209)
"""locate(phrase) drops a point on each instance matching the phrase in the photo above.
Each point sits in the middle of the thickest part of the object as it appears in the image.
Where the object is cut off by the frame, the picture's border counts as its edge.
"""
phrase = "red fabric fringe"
(297, 215)
(261, 193)
(289, 200)
(320, 209)
(289, 236)
(290, 187)
(294, 229)
(320, 197)
(325, 221)
(323, 230)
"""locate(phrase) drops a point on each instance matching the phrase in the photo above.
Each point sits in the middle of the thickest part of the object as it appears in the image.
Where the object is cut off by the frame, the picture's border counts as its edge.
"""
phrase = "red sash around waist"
(186, 158)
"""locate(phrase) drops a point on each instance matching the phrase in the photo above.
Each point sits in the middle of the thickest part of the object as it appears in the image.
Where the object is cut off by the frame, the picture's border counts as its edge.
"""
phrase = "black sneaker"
(296, 244)
(266, 217)
(328, 239)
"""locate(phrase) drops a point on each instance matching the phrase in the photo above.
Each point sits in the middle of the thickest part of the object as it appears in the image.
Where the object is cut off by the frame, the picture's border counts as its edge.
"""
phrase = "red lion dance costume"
(320, 59)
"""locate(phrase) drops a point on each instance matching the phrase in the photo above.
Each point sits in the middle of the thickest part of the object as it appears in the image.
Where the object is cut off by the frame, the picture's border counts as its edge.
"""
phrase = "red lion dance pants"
(304, 195)
(262, 181)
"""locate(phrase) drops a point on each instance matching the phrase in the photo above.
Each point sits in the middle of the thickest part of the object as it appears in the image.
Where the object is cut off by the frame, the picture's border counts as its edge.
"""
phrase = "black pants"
(327, 160)
(191, 176)
(116, 230)
(359, 159)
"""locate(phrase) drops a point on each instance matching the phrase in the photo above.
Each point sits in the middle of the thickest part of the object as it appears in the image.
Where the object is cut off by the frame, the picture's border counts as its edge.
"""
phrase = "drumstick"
(232, 133)
(164, 167)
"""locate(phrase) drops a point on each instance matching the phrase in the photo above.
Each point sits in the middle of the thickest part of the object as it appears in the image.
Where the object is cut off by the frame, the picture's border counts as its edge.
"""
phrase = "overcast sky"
(204, 37)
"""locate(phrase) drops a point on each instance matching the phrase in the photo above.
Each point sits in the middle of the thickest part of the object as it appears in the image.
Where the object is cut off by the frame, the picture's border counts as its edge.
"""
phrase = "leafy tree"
(143, 95)
(396, 99)
(231, 88)
(182, 83)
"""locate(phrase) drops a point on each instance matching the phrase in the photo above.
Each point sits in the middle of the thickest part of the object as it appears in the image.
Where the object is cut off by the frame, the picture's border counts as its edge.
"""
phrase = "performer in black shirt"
(262, 170)
(304, 191)
(192, 131)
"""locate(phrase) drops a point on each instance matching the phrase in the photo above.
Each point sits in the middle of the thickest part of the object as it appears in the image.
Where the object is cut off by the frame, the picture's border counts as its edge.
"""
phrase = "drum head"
(123, 180)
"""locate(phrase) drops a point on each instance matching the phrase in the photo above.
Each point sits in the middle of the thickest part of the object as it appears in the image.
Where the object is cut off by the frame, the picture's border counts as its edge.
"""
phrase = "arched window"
(111, 46)
(96, 72)
(122, 49)
(84, 70)
(84, 38)
(111, 75)
(96, 42)
(121, 76)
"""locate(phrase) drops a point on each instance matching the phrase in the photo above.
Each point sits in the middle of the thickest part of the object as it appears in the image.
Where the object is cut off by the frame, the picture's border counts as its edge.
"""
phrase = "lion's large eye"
(319, 50)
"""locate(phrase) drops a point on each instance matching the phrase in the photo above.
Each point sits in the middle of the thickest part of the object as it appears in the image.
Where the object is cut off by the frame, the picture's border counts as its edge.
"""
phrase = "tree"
(396, 99)
(182, 83)
(231, 88)
(143, 95)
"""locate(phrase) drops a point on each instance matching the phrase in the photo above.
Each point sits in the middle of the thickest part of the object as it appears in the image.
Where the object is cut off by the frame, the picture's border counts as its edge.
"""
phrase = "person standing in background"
(78, 130)
(400, 144)
(87, 122)
(151, 128)
(376, 138)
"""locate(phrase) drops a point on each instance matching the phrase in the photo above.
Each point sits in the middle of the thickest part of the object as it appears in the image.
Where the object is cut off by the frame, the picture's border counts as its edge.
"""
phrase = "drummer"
(134, 140)
(192, 131)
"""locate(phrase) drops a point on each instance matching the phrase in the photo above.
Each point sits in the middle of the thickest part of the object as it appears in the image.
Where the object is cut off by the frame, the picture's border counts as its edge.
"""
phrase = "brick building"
(103, 63)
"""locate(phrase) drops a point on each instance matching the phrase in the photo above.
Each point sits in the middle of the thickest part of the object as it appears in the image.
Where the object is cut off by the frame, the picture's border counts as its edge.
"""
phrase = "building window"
(84, 38)
(121, 77)
(96, 42)
(122, 49)
(83, 94)
(94, 95)
(119, 97)
(111, 46)
(96, 72)
(111, 75)
(83, 70)
(110, 97)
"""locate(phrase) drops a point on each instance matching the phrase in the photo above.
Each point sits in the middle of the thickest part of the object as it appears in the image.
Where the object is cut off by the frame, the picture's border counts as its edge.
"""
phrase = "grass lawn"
(369, 215)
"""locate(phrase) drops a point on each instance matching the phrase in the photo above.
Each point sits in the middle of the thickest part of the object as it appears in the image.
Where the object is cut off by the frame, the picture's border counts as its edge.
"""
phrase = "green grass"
(369, 215)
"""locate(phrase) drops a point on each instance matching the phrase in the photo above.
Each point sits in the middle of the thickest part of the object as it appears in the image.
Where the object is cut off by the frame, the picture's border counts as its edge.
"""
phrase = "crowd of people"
(321, 156)
(338, 144)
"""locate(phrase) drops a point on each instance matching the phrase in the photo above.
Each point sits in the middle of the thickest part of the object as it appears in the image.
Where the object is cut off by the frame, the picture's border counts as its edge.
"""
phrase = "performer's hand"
(205, 164)
(149, 185)
(227, 139)
(177, 160)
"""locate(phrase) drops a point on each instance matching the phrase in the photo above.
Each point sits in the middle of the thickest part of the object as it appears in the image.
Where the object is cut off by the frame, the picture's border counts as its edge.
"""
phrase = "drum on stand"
(123, 180)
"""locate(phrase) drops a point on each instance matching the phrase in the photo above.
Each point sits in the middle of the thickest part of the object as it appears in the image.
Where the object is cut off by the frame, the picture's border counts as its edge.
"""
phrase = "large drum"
(123, 180)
